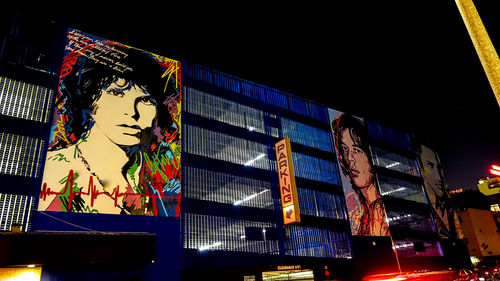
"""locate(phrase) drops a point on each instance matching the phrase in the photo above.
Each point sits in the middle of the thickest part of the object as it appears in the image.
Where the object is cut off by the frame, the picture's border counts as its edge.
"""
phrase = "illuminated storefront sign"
(29, 273)
(288, 190)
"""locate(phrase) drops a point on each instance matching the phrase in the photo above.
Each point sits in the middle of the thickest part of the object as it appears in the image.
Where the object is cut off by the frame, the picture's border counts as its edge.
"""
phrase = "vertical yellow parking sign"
(288, 190)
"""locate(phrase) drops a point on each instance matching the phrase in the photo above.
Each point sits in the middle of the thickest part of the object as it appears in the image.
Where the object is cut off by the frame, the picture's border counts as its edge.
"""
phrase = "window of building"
(213, 233)
(252, 154)
(205, 142)
(401, 189)
(395, 162)
(389, 135)
(298, 105)
(29, 43)
(225, 111)
(15, 209)
(276, 98)
(20, 155)
(417, 248)
(306, 135)
(321, 204)
(259, 92)
(307, 241)
(409, 220)
(318, 112)
(314, 168)
(23, 100)
(226, 188)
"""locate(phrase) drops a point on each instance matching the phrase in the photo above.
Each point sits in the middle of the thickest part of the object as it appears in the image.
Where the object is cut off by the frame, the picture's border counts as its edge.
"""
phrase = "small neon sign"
(495, 170)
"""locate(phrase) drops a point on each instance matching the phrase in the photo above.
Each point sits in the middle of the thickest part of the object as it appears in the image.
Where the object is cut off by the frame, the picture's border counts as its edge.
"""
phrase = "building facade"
(231, 209)
(92, 128)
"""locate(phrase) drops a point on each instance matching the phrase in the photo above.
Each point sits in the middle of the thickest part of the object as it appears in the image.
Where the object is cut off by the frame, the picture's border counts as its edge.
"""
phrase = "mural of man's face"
(123, 111)
(431, 171)
(359, 167)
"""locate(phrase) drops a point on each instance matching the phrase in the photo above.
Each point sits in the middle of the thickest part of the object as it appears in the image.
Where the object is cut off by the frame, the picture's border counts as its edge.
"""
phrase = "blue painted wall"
(167, 262)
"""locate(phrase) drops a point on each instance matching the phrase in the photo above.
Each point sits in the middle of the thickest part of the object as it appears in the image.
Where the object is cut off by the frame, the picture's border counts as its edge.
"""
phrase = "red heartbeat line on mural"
(94, 193)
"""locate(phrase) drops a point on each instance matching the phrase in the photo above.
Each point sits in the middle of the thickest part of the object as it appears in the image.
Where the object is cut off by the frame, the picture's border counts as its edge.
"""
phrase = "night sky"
(406, 64)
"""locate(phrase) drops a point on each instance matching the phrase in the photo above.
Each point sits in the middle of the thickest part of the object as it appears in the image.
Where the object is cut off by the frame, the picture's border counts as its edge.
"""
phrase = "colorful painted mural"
(364, 203)
(115, 144)
(437, 191)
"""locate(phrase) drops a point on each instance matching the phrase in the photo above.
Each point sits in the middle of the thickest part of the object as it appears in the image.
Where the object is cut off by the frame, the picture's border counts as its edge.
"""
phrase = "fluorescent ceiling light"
(302, 274)
(392, 191)
(392, 165)
(251, 161)
(249, 197)
(209, 246)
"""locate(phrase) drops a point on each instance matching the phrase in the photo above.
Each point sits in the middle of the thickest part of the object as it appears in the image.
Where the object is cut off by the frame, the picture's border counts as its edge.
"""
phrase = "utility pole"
(484, 48)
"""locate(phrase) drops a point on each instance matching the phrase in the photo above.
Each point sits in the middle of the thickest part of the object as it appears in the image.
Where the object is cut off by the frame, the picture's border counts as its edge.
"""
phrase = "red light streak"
(385, 279)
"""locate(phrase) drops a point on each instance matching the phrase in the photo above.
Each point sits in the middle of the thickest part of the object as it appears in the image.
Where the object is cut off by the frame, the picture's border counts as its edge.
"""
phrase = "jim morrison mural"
(366, 210)
(114, 147)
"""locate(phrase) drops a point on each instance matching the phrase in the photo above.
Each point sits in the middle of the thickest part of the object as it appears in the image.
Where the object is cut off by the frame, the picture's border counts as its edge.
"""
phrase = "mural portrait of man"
(436, 190)
(364, 202)
(115, 141)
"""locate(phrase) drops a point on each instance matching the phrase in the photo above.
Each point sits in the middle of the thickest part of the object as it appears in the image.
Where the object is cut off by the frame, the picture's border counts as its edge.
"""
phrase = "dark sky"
(406, 64)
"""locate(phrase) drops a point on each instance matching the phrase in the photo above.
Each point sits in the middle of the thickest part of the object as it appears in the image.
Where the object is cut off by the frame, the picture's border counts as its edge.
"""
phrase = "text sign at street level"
(288, 190)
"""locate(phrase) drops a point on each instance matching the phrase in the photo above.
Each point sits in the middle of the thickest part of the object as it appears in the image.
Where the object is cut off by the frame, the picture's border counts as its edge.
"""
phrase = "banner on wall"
(437, 191)
(114, 146)
(366, 210)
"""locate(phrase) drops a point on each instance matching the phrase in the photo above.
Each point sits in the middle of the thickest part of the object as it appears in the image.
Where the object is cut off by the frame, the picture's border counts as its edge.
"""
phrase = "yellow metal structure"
(482, 42)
